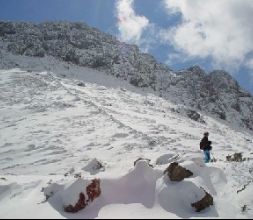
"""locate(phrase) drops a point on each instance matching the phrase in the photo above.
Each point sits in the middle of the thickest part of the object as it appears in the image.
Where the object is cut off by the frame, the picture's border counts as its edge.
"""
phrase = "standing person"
(205, 145)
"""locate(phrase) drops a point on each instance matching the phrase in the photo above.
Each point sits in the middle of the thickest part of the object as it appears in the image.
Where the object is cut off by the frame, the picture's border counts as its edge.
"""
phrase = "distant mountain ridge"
(216, 93)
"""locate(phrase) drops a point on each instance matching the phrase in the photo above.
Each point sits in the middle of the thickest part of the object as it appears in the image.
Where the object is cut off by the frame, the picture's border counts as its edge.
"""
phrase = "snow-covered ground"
(53, 130)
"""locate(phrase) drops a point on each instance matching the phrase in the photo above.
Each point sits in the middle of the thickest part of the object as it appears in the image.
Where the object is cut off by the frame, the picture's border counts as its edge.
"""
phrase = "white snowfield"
(53, 130)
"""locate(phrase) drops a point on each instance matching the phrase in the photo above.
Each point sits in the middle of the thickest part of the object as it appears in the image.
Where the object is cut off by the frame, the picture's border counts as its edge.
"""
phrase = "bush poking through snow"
(81, 204)
(177, 173)
(93, 190)
(244, 208)
(205, 202)
(87, 194)
(237, 157)
(70, 172)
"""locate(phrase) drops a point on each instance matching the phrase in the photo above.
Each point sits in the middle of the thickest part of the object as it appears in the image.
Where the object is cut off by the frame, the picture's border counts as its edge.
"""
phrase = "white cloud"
(217, 29)
(250, 63)
(130, 25)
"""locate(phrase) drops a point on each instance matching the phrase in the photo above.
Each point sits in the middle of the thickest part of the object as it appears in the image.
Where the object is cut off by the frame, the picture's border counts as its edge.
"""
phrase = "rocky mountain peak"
(223, 80)
(196, 70)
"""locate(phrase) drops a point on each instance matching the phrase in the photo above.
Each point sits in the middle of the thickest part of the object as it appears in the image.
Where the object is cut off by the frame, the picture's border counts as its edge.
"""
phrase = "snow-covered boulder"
(51, 190)
(94, 167)
(143, 159)
(165, 159)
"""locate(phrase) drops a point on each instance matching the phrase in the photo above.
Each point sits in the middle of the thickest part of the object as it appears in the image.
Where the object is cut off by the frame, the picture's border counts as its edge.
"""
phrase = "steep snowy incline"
(216, 93)
(54, 126)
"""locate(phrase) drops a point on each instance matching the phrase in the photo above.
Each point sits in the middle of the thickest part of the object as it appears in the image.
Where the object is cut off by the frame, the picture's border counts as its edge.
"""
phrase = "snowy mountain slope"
(53, 126)
(216, 93)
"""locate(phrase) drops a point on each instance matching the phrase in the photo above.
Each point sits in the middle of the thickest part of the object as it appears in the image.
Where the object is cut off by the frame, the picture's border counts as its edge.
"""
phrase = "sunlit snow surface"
(52, 129)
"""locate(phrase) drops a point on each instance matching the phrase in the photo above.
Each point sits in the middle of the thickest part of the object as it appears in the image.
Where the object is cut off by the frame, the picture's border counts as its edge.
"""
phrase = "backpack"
(201, 145)
(209, 147)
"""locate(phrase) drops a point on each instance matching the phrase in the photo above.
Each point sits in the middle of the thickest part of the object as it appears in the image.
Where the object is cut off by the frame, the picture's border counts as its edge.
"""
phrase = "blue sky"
(215, 34)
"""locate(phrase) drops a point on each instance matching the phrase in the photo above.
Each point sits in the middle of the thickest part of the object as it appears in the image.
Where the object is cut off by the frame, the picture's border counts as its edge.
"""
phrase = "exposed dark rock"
(137, 81)
(81, 84)
(204, 203)
(196, 70)
(194, 115)
(77, 175)
(177, 173)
